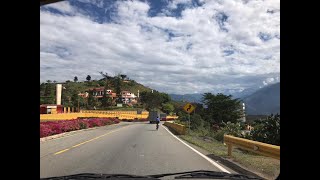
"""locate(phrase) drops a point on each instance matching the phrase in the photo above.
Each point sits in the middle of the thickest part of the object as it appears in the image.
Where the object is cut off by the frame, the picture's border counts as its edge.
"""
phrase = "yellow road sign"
(188, 108)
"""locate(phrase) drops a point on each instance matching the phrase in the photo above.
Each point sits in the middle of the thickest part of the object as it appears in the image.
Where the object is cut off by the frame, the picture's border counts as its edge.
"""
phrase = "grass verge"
(266, 167)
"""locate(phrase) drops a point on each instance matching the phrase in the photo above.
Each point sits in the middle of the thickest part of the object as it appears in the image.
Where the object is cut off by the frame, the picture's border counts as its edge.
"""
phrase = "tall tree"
(117, 84)
(91, 100)
(88, 78)
(221, 108)
(107, 79)
(168, 108)
(75, 79)
(153, 100)
(48, 93)
(74, 99)
(104, 100)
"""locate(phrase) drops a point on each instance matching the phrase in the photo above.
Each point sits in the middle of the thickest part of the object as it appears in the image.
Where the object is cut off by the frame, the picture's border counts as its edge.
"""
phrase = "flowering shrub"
(45, 130)
(56, 127)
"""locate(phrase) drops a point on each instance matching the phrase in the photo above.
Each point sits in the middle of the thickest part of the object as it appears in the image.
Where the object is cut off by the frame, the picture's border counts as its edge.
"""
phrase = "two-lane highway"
(129, 148)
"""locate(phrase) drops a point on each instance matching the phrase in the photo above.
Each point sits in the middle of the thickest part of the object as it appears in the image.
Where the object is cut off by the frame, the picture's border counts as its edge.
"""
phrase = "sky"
(181, 46)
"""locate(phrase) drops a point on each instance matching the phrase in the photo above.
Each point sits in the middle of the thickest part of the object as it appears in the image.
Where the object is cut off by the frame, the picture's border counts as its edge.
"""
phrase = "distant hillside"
(243, 93)
(127, 85)
(133, 86)
(264, 101)
(47, 90)
(197, 96)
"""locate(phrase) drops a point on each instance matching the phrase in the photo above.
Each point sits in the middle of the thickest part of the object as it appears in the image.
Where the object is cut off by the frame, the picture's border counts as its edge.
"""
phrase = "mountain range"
(264, 101)
(258, 101)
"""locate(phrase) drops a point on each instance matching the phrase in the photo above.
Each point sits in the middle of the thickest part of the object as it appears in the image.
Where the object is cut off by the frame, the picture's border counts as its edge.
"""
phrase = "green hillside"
(71, 89)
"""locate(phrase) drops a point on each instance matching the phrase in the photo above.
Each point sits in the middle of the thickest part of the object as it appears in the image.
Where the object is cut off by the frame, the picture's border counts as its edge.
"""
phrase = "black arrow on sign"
(189, 107)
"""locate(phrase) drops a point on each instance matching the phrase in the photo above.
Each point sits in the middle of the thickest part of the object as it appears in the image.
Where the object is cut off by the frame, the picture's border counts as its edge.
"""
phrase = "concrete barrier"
(69, 116)
(253, 146)
(178, 128)
(129, 115)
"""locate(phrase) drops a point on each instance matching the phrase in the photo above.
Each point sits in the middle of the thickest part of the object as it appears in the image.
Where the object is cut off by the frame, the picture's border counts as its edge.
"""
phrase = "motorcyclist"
(158, 121)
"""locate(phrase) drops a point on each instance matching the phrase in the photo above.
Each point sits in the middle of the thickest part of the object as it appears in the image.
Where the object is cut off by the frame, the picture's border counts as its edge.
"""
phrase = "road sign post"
(189, 108)
(189, 123)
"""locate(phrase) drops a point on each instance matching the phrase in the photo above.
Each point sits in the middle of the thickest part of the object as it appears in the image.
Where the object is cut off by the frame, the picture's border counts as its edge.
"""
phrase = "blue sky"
(181, 46)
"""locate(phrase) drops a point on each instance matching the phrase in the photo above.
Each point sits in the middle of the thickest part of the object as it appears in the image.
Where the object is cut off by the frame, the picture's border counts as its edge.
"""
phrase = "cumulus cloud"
(271, 81)
(63, 7)
(219, 45)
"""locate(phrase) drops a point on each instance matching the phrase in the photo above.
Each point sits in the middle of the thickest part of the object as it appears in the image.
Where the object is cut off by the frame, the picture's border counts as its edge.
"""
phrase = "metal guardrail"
(179, 128)
(253, 146)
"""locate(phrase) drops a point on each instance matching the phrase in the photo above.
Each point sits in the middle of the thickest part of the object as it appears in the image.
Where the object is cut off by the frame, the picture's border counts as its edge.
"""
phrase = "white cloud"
(271, 80)
(174, 4)
(194, 59)
(63, 6)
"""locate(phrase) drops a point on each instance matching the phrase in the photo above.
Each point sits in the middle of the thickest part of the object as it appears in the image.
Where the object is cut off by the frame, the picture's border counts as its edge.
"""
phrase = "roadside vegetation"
(219, 115)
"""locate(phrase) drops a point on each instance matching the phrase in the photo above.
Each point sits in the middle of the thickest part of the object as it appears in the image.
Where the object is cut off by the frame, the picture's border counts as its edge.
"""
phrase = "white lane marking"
(205, 157)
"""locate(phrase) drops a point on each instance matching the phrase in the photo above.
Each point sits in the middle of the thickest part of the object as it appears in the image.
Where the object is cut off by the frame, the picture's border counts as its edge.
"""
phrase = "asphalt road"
(129, 148)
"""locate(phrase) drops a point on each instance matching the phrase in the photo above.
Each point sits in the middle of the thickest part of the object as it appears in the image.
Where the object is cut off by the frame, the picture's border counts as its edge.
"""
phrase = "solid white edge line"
(205, 157)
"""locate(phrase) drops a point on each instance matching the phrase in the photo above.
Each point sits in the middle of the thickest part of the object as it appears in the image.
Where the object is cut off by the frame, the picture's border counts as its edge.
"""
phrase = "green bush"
(196, 122)
(267, 131)
(219, 135)
(182, 116)
(233, 129)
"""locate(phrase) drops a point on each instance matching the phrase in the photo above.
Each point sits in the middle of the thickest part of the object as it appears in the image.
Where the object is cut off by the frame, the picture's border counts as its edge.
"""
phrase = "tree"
(165, 97)
(117, 84)
(123, 76)
(101, 83)
(199, 108)
(153, 100)
(74, 99)
(105, 100)
(221, 108)
(107, 79)
(92, 101)
(75, 79)
(81, 102)
(196, 122)
(268, 130)
(48, 94)
(168, 108)
(105, 76)
(88, 78)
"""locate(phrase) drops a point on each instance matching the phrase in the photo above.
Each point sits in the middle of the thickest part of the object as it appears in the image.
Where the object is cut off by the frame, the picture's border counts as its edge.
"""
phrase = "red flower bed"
(57, 127)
